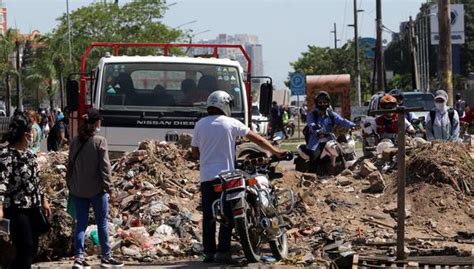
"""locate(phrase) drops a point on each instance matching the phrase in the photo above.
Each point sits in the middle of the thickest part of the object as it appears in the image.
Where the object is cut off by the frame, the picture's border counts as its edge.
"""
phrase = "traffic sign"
(298, 83)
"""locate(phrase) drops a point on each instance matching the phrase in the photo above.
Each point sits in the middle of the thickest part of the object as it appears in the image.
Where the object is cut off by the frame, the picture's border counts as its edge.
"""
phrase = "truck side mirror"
(266, 96)
(72, 95)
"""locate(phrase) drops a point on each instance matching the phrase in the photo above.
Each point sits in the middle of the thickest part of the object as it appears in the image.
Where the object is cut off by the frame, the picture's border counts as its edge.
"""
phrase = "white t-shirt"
(215, 136)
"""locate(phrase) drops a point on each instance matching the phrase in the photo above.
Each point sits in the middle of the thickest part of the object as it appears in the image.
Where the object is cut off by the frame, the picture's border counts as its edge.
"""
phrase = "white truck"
(157, 97)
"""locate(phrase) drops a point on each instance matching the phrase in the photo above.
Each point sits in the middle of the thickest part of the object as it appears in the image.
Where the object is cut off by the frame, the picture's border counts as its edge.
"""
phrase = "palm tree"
(7, 68)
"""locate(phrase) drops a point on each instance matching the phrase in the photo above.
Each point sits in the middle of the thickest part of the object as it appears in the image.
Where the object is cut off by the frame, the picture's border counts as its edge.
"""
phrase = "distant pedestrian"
(21, 198)
(460, 105)
(443, 122)
(37, 133)
(89, 183)
(58, 135)
(276, 118)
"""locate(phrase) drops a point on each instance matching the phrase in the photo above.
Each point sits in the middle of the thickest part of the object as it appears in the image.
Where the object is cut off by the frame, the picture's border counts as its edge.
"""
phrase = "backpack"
(450, 115)
(316, 116)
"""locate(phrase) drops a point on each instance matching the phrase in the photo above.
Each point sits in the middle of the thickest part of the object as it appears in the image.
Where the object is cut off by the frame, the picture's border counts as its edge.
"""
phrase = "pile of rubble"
(356, 211)
(442, 162)
(153, 208)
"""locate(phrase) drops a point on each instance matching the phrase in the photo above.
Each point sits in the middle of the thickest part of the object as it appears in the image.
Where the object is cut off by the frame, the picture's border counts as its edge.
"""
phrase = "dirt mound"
(442, 162)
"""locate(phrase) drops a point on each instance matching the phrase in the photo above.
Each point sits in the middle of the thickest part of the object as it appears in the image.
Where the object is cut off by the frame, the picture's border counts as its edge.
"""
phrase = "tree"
(136, 21)
(7, 69)
(324, 61)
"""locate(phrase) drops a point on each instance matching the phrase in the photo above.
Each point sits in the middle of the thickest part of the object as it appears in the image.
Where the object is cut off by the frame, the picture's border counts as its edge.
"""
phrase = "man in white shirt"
(214, 144)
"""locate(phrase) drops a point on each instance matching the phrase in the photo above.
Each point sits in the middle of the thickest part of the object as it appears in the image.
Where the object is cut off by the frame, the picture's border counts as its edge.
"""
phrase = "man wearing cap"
(443, 122)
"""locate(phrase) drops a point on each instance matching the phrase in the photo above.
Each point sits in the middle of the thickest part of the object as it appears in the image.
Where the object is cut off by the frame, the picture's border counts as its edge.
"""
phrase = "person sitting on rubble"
(387, 123)
(319, 123)
(89, 182)
(213, 144)
(443, 122)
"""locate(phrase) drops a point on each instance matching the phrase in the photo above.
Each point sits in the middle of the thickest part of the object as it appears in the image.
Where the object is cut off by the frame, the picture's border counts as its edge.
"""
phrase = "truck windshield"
(424, 100)
(167, 86)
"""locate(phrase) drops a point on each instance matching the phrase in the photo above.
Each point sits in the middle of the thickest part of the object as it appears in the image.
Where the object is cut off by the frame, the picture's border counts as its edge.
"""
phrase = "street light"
(187, 23)
(69, 31)
(357, 62)
(191, 38)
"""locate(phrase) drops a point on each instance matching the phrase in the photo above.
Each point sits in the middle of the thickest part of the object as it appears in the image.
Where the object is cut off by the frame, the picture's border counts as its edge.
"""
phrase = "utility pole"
(379, 48)
(19, 100)
(69, 32)
(357, 61)
(414, 55)
(427, 49)
(444, 55)
(335, 36)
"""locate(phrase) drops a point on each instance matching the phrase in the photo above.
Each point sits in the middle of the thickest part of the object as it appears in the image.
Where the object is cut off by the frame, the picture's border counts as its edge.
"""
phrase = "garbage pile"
(153, 207)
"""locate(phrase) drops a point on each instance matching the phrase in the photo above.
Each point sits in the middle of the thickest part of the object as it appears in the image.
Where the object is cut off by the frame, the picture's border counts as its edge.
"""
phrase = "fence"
(4, 122)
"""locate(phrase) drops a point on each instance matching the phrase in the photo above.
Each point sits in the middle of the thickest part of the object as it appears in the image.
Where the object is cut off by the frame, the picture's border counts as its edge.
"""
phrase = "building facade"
(3, 18)
(250, 44)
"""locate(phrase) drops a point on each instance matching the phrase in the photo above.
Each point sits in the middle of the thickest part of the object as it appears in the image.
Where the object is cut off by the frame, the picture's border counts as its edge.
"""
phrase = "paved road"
(178, 264)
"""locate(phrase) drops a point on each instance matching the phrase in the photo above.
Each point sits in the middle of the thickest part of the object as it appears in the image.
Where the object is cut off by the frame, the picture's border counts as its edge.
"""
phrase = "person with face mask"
(443, 122)
(89, 182)
(387, 123)
(322, 120)
(22, 200)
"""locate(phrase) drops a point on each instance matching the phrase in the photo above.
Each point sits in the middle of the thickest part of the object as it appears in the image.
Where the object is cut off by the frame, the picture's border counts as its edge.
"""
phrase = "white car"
(259, 122)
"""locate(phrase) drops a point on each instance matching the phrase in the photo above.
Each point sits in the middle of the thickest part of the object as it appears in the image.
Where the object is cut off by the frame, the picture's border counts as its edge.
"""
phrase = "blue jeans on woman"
(100, 204)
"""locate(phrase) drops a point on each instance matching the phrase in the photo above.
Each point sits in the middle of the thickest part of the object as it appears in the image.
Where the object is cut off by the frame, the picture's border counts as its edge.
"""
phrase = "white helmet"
(220, 100)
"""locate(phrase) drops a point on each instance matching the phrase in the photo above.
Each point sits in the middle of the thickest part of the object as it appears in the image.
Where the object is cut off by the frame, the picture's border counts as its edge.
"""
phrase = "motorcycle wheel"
(247, 229)
(290, 131)
(279, 247)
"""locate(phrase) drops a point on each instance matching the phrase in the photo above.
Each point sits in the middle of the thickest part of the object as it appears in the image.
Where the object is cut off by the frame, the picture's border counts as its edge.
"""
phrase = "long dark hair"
(86, 131)
(19, 125)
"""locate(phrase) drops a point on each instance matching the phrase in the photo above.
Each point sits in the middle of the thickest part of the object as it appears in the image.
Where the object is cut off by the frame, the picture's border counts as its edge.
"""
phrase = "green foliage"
(401, 81)
(136, 21)
(325, 61)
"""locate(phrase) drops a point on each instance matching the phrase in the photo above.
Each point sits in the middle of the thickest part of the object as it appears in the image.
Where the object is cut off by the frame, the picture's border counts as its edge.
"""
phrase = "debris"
(377, 183)
(367, 167)
(343, 181)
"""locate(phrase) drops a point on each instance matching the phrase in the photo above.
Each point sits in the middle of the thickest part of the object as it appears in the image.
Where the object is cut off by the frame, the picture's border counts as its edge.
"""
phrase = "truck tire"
(248, 148)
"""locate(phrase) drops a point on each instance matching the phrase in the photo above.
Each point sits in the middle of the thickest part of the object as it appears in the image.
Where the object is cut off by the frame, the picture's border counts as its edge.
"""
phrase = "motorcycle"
(337, 154)
(257, 206)
(290, 129)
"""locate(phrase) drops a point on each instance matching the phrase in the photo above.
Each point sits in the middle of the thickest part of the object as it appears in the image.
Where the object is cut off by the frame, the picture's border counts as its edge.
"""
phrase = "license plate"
(233, 183)
(235, 195)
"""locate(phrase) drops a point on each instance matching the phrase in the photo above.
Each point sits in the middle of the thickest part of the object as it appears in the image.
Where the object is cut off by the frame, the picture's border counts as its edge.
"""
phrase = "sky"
(285, 27)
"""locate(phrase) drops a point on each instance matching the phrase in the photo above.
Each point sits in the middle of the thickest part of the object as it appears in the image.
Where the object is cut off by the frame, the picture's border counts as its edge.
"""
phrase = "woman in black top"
(20, 194)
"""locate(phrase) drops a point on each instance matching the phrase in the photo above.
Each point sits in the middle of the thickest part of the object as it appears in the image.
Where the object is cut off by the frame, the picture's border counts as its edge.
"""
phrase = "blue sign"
(298, 84)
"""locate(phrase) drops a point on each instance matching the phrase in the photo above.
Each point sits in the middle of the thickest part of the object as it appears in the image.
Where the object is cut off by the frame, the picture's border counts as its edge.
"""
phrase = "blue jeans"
(100, 204)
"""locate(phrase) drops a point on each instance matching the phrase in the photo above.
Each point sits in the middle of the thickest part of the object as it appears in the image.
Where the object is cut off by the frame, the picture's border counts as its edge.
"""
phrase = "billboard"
(457, 24)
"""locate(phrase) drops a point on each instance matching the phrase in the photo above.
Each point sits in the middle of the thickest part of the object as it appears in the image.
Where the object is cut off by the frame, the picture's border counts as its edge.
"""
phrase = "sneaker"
(208, 258)
(78, 264)
(110, 263)
(225, 258)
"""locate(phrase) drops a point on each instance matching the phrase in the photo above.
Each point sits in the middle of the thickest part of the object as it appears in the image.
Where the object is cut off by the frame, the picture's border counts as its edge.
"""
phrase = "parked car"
(3, 113)
(259, 122)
